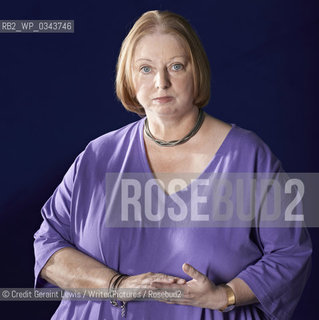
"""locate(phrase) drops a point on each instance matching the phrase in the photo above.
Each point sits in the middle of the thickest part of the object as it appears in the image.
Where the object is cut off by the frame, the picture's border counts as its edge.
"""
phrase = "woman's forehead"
(158, 44)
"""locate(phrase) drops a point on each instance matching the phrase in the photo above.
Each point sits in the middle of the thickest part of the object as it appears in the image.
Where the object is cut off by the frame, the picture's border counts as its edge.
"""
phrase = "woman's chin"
(163, 110)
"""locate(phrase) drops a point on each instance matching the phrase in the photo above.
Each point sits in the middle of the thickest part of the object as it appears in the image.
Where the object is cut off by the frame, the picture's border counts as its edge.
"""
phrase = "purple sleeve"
(54, 232)
(279, 277)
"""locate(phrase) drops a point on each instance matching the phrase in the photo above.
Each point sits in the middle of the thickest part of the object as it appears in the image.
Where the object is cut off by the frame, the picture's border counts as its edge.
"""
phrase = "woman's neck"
(173, 126)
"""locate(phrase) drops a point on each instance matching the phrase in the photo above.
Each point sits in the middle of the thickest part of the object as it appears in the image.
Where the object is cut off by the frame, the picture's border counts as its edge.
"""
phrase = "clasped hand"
(198, 292)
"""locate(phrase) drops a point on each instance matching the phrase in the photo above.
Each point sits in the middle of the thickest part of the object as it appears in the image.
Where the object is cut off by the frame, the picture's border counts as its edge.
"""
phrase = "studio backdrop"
(57, 94)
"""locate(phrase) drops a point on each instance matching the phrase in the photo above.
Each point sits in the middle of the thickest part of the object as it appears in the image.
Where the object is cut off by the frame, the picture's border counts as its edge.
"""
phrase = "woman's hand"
(145, 281)
(198, 292)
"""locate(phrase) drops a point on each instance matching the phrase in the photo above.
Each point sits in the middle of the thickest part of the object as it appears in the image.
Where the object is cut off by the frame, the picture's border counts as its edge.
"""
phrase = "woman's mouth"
(164, 99)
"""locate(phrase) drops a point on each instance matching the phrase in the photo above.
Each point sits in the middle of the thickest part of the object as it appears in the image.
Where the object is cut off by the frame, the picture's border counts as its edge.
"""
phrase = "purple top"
(274, 262)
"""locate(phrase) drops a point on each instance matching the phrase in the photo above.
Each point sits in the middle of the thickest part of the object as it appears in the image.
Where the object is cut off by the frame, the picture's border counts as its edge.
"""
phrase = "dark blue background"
(57, 94)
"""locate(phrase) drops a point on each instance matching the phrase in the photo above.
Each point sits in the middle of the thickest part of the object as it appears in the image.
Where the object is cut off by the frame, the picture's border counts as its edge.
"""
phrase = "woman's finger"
(168, 279)
(177, 301)
(170, 286)
(193, 273)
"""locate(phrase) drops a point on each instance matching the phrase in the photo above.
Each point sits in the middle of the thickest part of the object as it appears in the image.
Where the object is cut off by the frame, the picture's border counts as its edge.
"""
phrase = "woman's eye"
(146, 69)
(177, 67)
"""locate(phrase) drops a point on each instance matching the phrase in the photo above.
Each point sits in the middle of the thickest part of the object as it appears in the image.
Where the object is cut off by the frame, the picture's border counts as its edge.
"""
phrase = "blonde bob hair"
(166, 22)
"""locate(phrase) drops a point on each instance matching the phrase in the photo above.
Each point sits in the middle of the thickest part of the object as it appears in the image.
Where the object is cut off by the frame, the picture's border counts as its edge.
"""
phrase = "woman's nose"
(162, 80)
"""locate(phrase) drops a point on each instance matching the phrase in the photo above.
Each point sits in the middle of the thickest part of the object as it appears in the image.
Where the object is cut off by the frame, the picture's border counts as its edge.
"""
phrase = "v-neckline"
(210, 168)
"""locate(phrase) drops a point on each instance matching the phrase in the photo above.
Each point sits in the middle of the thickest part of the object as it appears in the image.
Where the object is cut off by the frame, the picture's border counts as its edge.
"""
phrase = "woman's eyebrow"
(182, 56)
(143, 59)
(172, 58)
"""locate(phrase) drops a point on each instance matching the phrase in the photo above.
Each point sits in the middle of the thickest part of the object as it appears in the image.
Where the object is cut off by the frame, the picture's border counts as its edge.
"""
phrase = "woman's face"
(162, 75)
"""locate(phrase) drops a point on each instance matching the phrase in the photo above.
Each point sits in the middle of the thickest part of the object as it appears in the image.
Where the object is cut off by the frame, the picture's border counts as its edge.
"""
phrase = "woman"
(231, 273)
